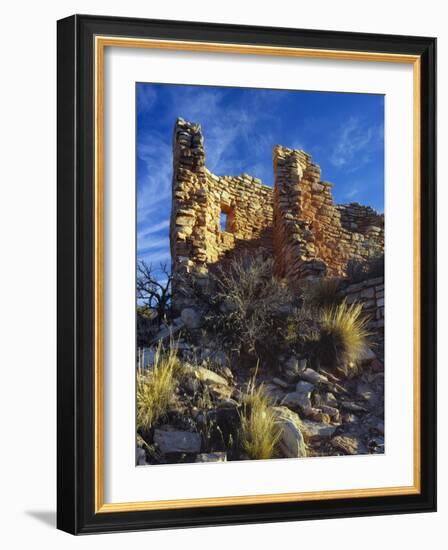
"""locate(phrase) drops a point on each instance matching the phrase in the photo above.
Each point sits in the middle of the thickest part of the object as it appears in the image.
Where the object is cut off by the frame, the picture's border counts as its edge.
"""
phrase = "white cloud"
(154, 189)
(155, 228)
(147, 96)
(223, 127)
(157, 258)
(352, 193)
(147, 244)
(355, 143)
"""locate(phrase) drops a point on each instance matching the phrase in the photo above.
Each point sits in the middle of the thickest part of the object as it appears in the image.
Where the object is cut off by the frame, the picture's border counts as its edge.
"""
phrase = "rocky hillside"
(257, 370)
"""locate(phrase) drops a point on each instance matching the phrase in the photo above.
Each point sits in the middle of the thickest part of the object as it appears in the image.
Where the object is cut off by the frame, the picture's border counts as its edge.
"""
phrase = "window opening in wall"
(226, 219)
(223, 221)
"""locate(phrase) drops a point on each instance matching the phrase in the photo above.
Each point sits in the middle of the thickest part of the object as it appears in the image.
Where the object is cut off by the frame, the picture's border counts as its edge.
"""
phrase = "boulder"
(318, 416)
(291, 442)
(209, 377)
(332, 412)
(191, 317)
(293, 367)
(317, 429)
(304, 387)
(347, 445)
(330, 376)
(312, 376)
(177, 441)
(297, 400)
(220, 391)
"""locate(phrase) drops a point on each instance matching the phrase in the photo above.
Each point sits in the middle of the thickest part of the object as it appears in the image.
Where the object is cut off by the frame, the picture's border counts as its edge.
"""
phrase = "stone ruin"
(295, 222)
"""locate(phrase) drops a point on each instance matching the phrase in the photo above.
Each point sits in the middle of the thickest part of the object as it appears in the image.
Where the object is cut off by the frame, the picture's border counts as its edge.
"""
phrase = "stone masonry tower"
(296, 222)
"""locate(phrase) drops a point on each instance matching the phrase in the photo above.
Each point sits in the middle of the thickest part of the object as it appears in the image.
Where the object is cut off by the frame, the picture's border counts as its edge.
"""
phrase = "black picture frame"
(76, 263)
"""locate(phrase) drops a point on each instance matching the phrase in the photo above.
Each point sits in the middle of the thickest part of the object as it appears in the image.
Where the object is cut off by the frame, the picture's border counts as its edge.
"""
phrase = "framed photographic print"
(246, 266)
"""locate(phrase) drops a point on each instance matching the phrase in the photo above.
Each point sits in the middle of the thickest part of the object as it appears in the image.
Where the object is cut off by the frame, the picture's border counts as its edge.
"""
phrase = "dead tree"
(154, 294)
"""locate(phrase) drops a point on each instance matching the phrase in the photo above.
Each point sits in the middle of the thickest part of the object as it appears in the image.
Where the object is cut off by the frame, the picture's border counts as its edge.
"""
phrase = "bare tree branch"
(154, 294)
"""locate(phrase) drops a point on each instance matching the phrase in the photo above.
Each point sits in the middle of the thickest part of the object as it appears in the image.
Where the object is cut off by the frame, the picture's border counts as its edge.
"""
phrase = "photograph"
(246, 321)
(259, 274)
(232, 218)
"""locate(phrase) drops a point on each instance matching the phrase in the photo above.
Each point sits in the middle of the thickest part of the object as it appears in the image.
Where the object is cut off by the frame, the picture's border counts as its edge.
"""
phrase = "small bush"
(155, 388)
(343, 334)
(259, 432)
(251, 306)
(322, 293)
(302, 327)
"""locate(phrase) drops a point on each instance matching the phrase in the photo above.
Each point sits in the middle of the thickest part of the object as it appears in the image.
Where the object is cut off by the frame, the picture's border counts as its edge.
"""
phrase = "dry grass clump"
(343, 334)
(156, 387)
(259, 432)
(322, 293)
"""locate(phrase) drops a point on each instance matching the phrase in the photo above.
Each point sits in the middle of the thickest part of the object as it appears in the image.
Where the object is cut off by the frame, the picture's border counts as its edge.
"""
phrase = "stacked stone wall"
(370, 293)
(363, 219)
(310, 237)
(296, 222)
(200, 197)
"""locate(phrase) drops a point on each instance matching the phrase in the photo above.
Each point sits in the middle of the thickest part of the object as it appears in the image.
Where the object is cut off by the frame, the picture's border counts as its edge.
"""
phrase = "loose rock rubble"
(314, 421)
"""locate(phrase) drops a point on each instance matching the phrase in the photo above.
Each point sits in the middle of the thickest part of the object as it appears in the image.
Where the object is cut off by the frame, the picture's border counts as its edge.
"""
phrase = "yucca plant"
(259, 433)
(343, 335)
(156, 387)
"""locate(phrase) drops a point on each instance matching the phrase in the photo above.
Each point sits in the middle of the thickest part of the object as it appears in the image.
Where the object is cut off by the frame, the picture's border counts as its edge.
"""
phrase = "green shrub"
(260, 432)
(343, 335)
(156, 387)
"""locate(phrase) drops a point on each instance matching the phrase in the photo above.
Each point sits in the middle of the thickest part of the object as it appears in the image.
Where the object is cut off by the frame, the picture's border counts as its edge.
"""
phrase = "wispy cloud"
(145, 245)
(355, 143)
(228, 127)
(146, 97)
(154, 186)
(155, 228)
(240, 128)
(156, 259)
(352, 193)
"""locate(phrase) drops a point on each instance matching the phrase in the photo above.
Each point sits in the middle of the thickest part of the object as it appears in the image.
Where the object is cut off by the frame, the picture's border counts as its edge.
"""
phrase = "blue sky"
(344, 133)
